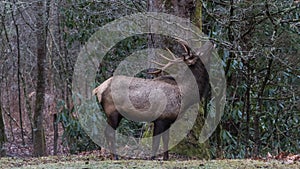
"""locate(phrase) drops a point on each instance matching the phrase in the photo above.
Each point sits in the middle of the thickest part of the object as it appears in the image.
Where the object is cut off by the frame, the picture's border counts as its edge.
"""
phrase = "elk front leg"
(165, 138)
(160, 129)
(155, 139)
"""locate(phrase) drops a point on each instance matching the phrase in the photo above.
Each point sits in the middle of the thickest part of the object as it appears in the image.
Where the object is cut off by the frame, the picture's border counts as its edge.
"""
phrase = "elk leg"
(113, 120)
(159, 127)
(165, 138)
(155, 139)
(110, 138)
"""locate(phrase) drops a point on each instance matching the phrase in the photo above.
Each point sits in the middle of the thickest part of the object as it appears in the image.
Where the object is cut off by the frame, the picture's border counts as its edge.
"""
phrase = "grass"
(87, 162)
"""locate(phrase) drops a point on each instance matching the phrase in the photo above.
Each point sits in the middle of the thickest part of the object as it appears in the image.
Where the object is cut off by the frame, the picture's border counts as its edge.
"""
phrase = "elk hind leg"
(159, 127)
(113, 120)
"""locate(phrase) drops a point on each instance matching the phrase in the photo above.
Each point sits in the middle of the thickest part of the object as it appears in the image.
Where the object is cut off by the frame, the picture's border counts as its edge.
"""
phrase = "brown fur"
(139, 93)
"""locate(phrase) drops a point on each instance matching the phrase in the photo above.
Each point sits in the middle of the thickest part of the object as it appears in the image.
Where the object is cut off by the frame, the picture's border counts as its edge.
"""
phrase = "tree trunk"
(190, 146)
(19, 77)
(39, 143)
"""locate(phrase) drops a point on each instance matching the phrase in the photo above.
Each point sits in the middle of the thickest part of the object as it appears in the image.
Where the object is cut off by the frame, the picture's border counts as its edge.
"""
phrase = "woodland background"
(257, 40)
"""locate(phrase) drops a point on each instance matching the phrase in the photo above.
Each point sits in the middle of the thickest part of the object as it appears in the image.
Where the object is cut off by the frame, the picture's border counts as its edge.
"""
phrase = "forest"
(255, 42)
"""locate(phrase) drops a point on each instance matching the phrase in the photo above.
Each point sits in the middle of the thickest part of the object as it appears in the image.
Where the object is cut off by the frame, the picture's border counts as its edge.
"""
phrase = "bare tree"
(2, 126)
(39, 142)
(19, 75)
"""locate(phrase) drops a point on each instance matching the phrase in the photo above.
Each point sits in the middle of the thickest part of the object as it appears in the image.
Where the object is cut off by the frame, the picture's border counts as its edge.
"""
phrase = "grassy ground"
(86, 162)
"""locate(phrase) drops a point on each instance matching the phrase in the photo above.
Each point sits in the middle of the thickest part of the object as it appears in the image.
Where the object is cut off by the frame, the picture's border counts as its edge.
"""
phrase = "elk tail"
(101, 88)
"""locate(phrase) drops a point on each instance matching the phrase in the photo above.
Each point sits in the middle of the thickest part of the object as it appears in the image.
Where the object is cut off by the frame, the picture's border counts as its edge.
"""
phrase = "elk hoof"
(116, 157)
(166, 157)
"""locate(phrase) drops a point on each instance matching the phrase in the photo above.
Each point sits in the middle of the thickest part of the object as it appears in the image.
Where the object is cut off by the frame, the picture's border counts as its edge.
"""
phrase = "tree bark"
(190, 146)
(39, 143)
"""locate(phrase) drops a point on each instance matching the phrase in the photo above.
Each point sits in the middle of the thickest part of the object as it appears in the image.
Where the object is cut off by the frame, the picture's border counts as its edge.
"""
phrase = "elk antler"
(184, 44)
(171, 62)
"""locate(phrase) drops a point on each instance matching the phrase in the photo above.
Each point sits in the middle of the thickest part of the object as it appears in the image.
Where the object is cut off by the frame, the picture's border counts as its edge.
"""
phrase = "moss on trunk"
(190, 145)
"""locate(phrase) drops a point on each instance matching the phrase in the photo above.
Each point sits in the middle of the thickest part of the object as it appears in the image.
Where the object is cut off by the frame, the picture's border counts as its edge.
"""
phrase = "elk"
(139, 94)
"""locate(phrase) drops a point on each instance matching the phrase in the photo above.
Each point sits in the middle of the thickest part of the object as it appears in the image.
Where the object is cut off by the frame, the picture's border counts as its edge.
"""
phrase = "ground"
(96, 161)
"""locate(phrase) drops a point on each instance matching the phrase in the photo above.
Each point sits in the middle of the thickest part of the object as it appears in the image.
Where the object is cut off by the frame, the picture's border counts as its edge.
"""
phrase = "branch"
(273, 98)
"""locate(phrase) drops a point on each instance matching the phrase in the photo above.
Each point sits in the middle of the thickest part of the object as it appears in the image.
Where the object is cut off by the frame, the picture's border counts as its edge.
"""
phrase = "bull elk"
(139, 91)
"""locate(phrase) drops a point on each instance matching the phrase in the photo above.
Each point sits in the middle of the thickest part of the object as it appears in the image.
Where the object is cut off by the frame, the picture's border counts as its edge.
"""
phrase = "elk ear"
(205, 52)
